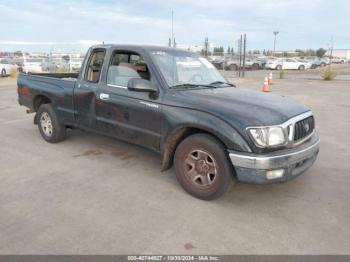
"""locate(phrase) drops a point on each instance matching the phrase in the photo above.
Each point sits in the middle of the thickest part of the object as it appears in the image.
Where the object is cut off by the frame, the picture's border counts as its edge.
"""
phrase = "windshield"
(181, 68)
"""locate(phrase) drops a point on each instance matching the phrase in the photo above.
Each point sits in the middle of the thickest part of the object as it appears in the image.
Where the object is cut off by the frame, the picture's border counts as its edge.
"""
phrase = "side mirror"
(141, 85)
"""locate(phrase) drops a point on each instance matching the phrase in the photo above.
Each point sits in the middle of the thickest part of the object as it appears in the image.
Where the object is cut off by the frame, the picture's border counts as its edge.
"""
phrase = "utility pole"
(244, 49)
(206, 46)
(331, 53)
(240, 56)
(274, 41)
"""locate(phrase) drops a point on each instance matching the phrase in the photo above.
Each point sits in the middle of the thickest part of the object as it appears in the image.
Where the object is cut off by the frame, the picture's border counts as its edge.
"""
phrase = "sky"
(72, 25)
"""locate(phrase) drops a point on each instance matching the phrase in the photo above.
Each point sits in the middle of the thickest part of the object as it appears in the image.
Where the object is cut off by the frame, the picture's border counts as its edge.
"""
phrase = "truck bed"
(56, 75)
(58, 88)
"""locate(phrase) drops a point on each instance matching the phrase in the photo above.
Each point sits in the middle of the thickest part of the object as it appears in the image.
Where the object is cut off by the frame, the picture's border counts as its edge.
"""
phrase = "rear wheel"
(301, 67)
(3, 72)
(202, 166)
(279, 67)
(49, 126)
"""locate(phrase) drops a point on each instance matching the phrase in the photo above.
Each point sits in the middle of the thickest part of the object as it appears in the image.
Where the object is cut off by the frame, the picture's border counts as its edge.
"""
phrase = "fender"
(196, 122)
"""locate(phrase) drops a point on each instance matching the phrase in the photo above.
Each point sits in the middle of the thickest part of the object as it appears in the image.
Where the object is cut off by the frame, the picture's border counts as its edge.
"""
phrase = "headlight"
(268, 136)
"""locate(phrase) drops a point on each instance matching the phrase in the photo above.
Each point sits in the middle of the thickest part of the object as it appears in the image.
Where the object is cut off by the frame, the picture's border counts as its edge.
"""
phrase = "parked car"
(285, 63)
(250, 63)
(176, 103)
(322, 61)
(6, 66)
(218, 63)
(30, 65)
(262, 61)
(253, 64)
(232, 64)
(339, 60)
(314, 61)
(308, 63)
(317, 61)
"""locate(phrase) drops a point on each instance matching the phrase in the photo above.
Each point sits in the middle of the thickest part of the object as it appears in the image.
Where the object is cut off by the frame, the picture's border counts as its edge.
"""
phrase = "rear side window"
(94, 67)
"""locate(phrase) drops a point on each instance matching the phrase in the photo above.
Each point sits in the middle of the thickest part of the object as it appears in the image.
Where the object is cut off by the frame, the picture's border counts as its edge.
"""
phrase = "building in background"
(339, 53)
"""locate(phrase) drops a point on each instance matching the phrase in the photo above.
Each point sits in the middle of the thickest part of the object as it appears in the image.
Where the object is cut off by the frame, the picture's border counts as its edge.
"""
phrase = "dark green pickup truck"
(176, 103)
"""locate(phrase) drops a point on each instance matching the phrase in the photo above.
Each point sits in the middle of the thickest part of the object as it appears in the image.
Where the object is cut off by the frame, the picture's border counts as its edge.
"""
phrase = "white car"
(6, 66)
(30, 65)
(308, 63)
(286, 63)
(338, 60)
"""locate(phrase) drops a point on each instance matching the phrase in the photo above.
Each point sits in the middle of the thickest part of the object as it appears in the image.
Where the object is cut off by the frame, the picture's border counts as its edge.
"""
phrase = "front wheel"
(3, 73)
(301, 67)
(49, 126)
(202, 166)
(279, 67)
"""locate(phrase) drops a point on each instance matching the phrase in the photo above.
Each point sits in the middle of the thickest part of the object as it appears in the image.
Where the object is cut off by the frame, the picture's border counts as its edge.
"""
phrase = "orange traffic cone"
(266, 86)
(270, 78)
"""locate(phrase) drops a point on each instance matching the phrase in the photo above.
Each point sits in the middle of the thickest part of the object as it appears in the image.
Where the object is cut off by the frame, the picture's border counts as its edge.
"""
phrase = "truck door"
(86, 89)
(128, 115)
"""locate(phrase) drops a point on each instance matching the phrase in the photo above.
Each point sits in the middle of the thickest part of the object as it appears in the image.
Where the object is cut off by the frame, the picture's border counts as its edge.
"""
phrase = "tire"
(279, 67)
(301, 67)
(3, 73)
(202, 167)
(322, 64)
(233, 67)
(49, 126)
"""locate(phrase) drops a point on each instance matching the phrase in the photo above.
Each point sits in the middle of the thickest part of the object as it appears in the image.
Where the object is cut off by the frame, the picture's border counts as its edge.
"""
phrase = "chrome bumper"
(253, 168)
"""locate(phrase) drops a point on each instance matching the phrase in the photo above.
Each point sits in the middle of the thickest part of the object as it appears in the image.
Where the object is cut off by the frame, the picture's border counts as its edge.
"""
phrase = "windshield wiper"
(222, 83)
(187, 85)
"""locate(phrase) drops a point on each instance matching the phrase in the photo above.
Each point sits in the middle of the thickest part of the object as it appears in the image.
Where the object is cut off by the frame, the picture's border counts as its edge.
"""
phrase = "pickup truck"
(176, 103)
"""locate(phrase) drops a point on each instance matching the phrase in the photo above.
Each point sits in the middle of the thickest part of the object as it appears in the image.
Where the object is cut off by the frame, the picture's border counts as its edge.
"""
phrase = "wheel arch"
(37, 102)
(178, 135)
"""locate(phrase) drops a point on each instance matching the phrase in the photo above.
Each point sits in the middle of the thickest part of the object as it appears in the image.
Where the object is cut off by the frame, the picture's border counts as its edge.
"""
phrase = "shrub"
(61, 69)
(328, 74)
(282, 74)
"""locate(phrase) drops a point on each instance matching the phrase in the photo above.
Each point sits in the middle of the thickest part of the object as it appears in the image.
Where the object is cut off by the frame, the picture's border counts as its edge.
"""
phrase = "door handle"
(104, 96)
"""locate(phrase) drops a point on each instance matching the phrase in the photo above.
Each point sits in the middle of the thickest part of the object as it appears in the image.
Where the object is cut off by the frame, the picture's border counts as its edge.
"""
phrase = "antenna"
(172, 26)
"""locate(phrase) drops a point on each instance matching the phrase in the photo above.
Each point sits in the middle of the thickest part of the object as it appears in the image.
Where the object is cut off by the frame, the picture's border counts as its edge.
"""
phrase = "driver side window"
(125, 66)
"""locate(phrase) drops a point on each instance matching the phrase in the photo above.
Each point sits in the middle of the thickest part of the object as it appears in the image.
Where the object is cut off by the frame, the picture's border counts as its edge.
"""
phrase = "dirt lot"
(95, 195)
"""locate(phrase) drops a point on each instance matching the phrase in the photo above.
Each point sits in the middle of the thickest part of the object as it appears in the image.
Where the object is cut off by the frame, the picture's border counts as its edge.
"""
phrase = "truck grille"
(304, 128)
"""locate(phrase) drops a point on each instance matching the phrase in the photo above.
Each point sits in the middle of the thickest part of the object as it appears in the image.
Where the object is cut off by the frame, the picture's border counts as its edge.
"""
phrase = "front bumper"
(253, 168)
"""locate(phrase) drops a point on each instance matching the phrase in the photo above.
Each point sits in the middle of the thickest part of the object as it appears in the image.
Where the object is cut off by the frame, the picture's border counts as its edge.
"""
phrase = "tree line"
(220, 51)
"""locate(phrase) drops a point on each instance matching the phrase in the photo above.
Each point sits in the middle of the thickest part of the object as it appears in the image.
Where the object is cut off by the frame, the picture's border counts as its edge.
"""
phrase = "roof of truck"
(144, 47)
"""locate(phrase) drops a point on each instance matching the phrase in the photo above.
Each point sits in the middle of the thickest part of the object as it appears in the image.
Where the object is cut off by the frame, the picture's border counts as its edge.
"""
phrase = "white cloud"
(66, 22)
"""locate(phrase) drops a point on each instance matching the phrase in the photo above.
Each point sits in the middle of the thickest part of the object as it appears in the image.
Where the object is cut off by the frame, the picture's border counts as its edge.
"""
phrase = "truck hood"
(239, 107)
